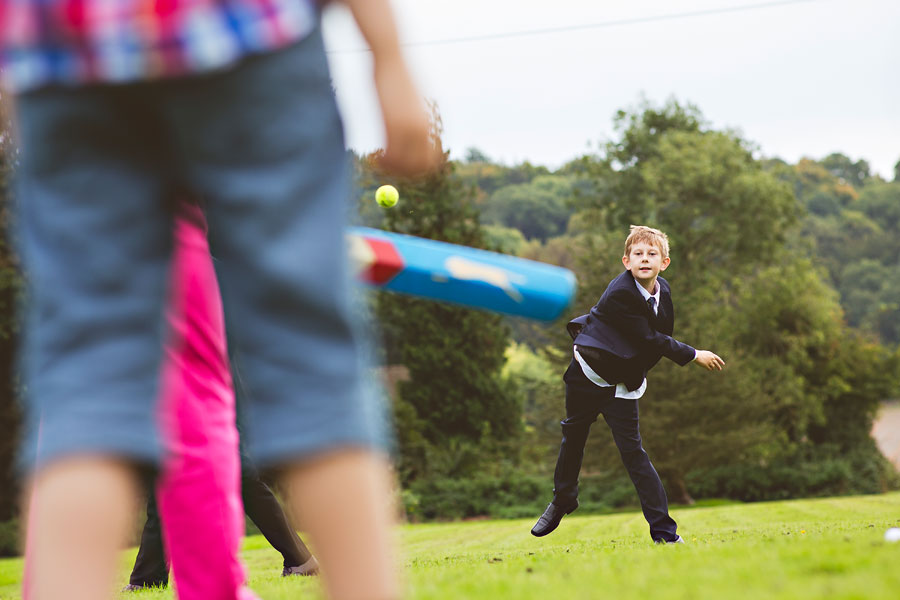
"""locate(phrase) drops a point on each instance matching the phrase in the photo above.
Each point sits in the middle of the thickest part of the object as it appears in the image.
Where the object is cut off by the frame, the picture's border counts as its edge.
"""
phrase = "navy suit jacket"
(621, 339)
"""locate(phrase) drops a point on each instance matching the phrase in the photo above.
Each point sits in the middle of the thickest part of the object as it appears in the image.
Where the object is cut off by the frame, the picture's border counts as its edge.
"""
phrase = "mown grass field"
(823, 548)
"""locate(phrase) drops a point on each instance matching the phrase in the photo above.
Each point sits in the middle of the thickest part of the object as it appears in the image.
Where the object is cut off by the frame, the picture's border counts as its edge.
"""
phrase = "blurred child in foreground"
(118, 105)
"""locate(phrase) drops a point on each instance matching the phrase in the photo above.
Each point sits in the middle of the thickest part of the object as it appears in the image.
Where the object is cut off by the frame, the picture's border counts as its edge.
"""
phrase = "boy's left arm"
(629, 315)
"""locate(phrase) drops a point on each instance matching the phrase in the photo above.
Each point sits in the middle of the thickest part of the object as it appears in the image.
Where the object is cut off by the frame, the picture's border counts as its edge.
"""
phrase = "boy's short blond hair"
(647, 235)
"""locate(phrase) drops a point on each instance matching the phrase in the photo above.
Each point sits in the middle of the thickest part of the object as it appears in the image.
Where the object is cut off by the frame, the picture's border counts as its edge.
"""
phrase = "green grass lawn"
(823, 548)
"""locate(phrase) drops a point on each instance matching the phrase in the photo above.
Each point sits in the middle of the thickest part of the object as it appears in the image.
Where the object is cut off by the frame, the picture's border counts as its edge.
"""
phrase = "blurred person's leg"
(199, 491)
(343, 499)
(263, 144)
(150, 566)
(266, 512)
(260, 503)
(94, 239)
(83, 510)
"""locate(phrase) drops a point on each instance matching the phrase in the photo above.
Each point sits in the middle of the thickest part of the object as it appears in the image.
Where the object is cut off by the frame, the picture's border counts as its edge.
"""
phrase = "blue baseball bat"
(460, 274)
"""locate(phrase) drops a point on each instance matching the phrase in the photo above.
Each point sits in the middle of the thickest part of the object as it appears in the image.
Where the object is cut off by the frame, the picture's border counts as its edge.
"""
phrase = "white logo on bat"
(361, 254)
(461, 268)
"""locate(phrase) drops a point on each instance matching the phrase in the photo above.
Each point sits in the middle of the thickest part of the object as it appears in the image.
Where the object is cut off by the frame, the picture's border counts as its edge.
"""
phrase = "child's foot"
(246, 593)
(550, 519)
(678, 540)
(136, 587)
(310, 567)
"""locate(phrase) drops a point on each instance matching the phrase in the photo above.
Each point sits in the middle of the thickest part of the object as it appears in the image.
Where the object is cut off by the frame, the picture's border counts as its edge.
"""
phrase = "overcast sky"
(797, 78)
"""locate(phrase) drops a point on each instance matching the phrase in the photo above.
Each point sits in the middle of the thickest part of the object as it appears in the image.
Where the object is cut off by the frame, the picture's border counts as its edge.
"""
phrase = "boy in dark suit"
(623, 337)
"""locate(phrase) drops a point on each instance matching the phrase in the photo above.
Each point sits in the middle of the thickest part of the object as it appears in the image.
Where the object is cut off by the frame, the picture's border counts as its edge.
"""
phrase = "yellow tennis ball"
(387, 196)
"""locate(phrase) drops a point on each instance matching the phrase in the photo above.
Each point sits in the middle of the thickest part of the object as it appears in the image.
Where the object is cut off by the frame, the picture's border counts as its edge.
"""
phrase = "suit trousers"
(151, 568)
(585, 401)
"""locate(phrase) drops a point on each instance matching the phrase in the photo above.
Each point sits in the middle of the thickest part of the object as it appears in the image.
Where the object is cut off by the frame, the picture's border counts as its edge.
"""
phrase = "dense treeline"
(791, 272)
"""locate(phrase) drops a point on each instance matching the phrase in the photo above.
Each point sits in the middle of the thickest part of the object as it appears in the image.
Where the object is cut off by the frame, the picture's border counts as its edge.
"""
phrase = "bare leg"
(343, 500)
(83, 510)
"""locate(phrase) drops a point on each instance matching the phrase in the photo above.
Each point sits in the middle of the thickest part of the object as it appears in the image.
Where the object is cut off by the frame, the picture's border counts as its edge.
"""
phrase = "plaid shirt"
(71, 42)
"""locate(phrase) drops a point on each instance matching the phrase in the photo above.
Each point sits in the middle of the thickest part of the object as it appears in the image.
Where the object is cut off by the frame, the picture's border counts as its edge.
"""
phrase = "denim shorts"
(262, 145)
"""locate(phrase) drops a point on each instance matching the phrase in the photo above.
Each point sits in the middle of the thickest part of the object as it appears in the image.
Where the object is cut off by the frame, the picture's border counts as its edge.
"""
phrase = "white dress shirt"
(621, 390)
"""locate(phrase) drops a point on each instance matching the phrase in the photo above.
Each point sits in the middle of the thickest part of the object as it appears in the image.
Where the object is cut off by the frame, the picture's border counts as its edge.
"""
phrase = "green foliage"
(453, 414)
(853, 230)
(10, 286)
(622, 198)
(841, 240)
(507, 240)
(861, 249)
(489, 177)
(537, 381)
(787, 315)
(816, 187)
(9, 538)
(827, 472)
(881, 203)
(474, 155)
(856, 173)
(538, 208)
(724, 215)
(511, 495)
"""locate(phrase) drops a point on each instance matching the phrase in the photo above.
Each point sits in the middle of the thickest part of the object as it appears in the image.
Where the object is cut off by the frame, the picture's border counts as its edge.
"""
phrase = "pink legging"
(199, 492)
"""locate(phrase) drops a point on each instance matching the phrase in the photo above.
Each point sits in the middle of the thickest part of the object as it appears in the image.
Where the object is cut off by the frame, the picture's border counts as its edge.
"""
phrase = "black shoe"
(678, 540)
(550, 519)
(310, 567)
(137, 587)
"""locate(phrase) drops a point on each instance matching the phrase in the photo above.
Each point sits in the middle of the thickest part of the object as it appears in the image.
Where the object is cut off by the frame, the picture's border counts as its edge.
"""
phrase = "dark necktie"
(651, 302)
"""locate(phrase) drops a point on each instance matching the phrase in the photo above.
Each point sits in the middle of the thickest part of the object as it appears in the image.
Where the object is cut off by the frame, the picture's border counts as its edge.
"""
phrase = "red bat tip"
(380, 263)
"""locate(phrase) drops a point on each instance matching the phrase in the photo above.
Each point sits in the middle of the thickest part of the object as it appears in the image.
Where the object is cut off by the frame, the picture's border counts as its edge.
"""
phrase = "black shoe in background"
(550, 519)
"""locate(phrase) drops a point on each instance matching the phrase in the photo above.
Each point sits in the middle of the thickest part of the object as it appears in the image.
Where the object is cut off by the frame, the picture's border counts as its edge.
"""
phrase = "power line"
(603, 24)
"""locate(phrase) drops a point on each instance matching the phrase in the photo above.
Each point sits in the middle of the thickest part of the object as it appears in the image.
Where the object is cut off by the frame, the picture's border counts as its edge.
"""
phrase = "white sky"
(797, 78)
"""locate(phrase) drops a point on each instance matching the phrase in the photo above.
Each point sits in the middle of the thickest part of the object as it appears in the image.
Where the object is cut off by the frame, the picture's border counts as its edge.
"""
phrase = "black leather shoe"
(550, 519)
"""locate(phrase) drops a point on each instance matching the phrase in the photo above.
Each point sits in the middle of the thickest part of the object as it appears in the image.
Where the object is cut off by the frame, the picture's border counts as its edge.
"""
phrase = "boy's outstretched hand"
(709, 360)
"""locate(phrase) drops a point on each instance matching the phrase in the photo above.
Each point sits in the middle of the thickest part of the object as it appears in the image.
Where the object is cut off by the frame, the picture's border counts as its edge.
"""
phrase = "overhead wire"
(585, 26)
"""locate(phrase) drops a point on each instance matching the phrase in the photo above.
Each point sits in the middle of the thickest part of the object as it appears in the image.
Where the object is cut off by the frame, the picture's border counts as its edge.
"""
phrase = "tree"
(822, 192)
(507, 240)
(488, 177)
(859, 245)
(10, 284)
(538, 208)
(855, 173)
(881, 203)
(453, 412)
(474, 155)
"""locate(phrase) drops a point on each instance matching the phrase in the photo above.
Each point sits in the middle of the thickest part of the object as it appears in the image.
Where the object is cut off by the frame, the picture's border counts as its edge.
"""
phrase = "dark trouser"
(150, 567)
(265, 511)
(584, 403)
(260, 504)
